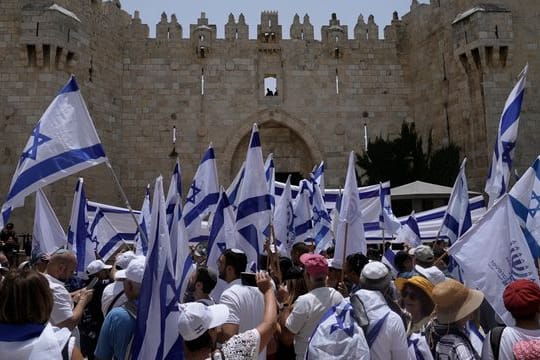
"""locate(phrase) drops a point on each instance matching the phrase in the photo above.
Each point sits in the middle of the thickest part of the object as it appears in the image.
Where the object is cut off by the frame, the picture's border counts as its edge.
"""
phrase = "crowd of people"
(308, 306)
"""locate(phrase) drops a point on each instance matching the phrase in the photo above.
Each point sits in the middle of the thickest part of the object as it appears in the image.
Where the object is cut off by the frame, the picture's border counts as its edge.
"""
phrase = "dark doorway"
(295, 177)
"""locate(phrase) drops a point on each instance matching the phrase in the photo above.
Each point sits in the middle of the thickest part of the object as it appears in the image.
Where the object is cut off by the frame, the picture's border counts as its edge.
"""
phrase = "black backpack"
(495, 340)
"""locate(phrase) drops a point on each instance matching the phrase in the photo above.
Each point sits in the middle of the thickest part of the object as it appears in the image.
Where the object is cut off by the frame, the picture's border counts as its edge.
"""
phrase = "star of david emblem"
(507, 149)
(194, 191)
(39, 139)
(536, 197)
(340, 322)
(318, 215)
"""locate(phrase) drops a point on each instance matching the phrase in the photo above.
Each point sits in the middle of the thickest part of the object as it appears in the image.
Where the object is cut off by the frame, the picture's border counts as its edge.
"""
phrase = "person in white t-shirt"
(113, 294)
(390, 341)
(198, 324)
(300, 322)
(245, 303)
(60, 268)
(522, 299)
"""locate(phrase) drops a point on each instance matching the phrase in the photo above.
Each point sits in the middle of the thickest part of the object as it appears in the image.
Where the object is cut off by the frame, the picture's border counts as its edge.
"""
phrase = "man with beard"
(201, 283)
(245, 303)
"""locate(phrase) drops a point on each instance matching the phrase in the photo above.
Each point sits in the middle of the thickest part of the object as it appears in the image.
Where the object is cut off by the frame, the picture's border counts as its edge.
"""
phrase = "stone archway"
(294, 148)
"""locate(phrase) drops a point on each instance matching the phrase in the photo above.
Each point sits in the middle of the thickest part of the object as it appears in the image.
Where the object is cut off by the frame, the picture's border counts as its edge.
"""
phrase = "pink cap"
(314, 264)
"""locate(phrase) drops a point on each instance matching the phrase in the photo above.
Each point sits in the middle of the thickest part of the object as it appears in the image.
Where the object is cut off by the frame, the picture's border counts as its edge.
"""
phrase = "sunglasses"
(410, 294)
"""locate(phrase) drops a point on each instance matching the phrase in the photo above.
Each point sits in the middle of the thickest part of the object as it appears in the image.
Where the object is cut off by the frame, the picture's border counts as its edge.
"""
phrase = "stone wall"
(450, 77)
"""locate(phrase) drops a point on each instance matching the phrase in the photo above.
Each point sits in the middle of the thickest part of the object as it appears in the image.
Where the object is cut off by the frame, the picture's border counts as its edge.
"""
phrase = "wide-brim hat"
(454, 301)
(418, 281)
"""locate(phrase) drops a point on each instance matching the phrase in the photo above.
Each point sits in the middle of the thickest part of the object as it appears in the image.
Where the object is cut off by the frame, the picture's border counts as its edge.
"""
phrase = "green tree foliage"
(403, 160)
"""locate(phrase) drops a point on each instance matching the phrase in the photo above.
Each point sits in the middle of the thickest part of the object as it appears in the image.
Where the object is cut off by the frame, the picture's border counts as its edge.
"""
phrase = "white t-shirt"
(63, 304)
(307, 312)
(510, 336)
(48, 345)
(246, 307)
(391, 342)
(109, 294)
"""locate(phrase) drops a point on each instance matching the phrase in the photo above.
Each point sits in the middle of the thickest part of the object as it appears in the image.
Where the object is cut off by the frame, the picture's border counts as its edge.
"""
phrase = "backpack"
(433, 336)
(495, 337)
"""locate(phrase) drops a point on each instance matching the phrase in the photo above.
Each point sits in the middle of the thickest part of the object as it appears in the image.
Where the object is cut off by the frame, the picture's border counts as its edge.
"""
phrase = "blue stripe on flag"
(209, 199)
(53, 165)
(71, 86)
(208, 155)
(511, 113)
(253, 205)
(302, 228)
(250, 233)
(255, 140)
(452, 224)
(113, 241)
(321, 234)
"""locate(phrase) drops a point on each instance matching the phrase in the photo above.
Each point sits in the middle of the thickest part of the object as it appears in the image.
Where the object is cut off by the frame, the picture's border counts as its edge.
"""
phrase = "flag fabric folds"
(222, 233)
(525, 198)
(322, 223)
(338, 336)
(501, 163)
(156, 331)
(302, 214)
(78, 237)
(284, 220)
(318, 177)
(254, 206)
(49, 235)
(174, 194)
(350, 236)
(457, 219)
(63, 142)
(270, 173)
(141, 247)
(504, 255)
(234, 188)
(409, 233)
(202, 196)
(388, 260)
(387, 221)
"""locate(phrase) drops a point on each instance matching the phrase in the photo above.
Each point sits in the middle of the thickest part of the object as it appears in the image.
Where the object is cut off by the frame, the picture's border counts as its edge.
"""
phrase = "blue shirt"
(115, 335)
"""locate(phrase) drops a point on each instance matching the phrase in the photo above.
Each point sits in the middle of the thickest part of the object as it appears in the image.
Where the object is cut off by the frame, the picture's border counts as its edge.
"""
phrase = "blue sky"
(217, 11)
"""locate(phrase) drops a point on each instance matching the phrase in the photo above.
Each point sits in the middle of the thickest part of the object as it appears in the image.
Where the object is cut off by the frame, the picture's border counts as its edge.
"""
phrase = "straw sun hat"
(454, 301)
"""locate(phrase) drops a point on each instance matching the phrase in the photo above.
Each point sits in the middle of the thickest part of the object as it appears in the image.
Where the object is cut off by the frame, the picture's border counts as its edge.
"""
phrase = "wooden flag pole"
(126, 201)
(344, 250)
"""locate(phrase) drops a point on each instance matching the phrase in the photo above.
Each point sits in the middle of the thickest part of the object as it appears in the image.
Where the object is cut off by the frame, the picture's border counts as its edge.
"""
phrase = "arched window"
(270, 85)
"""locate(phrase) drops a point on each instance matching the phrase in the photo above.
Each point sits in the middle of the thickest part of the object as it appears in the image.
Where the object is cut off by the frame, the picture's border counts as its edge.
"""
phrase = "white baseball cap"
(432, 273)
(134, 271)
(196, 318)
(123, 259)
(96, 266)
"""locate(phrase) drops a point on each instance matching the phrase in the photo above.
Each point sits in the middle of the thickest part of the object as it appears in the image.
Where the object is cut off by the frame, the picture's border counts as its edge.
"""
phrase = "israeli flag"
(223, 231)
(156, 330)
(141, 247)
(350, 238)
(322, 223)
(303, 226)
(234, 188)
(338, 336)
(525, 198)
(49, 235)
(388, 260)
(63, 143)
(79, 238)
(174, 194)
(409, 232)
(501, 163)
(202, 197)
(111, 228)
(504, 255)
(270, 173)
(284, 220)
(387, 221)
(457, 219)
(254, 205)
(318, 176)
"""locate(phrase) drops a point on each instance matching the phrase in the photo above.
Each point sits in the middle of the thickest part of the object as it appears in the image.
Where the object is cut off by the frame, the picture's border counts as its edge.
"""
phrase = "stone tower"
(447, 66)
